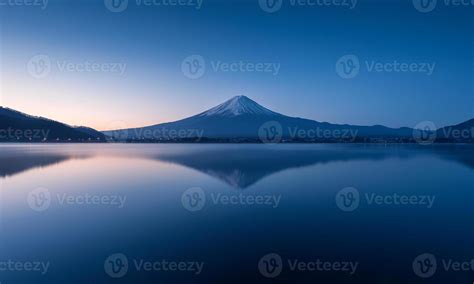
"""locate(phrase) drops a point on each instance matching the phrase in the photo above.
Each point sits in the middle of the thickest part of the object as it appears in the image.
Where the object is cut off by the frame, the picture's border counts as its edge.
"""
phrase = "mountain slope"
(16, 126)
(241, 117)
(463, 132)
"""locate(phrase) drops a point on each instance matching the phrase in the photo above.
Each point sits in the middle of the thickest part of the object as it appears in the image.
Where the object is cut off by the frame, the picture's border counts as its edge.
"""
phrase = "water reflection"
(239, 166)
(154, 223)
(14, 161)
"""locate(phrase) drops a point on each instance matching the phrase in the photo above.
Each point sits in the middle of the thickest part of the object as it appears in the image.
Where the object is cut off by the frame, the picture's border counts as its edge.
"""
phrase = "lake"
(207, 213)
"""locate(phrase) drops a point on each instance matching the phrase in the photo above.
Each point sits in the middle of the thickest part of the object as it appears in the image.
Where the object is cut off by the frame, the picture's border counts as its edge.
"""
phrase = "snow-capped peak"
(238, 105)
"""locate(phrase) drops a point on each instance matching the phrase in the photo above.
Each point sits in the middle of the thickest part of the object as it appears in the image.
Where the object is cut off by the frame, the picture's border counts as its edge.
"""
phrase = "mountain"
(16, 126)
(463, 132)
(239, 119)
(239, 105)
(243, 118)
(90, 131)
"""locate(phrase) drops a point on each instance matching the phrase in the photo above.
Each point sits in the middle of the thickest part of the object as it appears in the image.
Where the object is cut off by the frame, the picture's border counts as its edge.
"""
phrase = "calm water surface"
(227, 206)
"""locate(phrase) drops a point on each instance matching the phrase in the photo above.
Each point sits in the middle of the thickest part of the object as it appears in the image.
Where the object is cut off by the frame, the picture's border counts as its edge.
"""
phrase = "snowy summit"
(236, 106)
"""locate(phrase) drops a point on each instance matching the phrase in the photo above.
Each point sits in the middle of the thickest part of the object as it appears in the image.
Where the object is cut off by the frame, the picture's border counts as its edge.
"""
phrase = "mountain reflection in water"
(239, 166)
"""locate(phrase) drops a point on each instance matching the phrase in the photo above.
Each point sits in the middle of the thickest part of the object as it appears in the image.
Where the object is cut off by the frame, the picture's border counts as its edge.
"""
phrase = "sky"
(85, 62)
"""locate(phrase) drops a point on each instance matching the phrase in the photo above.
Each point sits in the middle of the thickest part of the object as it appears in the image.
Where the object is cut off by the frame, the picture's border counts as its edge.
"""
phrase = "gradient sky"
(306, 41)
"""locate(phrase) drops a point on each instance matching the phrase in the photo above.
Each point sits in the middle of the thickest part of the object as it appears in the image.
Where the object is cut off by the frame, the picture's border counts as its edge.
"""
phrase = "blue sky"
(304, 41)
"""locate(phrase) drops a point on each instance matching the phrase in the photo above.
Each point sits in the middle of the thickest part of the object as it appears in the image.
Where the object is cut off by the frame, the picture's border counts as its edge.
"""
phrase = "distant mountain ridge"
(242, 118)
(16, 126)
(463, 132)
(238, 120)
